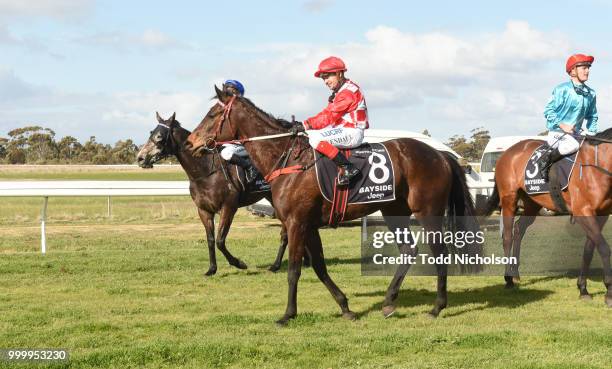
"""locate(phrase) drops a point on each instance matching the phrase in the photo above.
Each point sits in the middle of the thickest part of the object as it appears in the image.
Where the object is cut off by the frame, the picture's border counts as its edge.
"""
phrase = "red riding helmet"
(330, 65)
(578, 59)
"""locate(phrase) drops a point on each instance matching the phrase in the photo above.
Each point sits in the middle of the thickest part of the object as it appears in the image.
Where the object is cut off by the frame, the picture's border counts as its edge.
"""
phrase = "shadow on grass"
(494, 296)
(329, 262)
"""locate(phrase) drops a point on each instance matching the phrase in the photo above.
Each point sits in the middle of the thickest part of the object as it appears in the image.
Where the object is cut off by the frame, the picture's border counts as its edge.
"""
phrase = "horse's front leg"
(297, 233)
(587, 257)
(508, 203)
(208, 221)
(593, 226)
(275, 267)
(225, 221)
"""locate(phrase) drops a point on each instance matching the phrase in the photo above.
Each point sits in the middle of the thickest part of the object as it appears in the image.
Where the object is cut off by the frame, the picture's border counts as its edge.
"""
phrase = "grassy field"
(129, 292)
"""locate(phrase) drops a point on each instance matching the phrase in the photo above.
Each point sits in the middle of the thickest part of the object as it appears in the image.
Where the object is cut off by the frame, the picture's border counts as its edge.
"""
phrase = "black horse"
(213, 185)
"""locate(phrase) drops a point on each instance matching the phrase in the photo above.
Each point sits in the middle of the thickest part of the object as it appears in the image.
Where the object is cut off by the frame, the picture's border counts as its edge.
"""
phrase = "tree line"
(38, 145)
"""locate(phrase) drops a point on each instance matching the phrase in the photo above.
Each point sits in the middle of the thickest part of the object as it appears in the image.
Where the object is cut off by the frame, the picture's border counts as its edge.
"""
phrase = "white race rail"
(46, 189)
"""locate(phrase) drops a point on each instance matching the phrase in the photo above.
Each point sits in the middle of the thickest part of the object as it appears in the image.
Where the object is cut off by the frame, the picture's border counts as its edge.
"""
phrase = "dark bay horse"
(428, 184)
(210, 190)
(589, 200)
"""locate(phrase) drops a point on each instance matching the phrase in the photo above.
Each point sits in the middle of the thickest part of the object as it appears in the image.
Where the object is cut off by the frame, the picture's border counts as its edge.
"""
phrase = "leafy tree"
(124, 152)
(473, 148)
(69, 149)
(3, 147)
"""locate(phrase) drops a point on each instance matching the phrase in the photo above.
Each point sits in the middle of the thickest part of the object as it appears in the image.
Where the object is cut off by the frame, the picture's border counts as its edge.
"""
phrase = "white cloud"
(59, 9)
(439, 81)
(148, 41)
(317, 6)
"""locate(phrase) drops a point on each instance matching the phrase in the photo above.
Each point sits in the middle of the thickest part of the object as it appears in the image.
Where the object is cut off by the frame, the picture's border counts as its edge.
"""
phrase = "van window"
(488, 161)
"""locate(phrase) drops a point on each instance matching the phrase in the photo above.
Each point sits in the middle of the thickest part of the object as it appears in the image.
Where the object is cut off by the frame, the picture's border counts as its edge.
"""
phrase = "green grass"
(129, 292)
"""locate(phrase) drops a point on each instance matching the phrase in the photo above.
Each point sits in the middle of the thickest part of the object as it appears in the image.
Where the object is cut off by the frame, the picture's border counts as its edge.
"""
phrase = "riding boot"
(350, 171)
(250, 172)
(547, 162)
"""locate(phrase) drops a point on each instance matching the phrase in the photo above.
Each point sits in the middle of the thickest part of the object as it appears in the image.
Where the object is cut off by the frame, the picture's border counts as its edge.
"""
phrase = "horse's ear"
(221, 95)
(173, 117)
(159, 118)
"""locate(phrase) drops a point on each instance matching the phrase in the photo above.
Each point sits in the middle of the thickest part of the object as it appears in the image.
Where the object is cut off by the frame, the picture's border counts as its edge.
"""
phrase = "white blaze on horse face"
(149, 149)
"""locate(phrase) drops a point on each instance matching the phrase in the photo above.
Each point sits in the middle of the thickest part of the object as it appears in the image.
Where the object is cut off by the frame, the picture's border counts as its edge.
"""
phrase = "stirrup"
(345, 178)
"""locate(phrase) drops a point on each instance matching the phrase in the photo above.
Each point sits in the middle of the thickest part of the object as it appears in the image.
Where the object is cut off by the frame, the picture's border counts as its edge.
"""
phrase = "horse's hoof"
(282, 322)
(509, 285)
(388, 310)
(210, 272)
(586, 297)
(433, 314)
(239, 264)
(349, 315)
(274, 268)
(516, 280)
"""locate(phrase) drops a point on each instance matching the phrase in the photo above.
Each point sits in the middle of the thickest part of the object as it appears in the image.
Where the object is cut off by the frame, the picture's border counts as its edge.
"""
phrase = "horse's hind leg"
(225, 221)
(531, 209)
(397, 219)
(315, 248)
(438, 248)
(209, 225)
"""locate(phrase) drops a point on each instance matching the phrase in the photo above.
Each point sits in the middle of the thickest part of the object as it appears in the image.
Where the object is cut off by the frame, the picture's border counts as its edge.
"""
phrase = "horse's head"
(160, 144)
(216, 125)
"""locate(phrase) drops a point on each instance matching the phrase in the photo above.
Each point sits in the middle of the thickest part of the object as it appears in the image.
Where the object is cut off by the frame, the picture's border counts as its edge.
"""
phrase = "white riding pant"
(341, 137)
(229, 150)
(566, 143)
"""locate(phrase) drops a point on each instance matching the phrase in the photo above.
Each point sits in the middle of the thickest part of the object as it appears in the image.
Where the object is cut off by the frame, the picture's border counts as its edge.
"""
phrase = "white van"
(493, 151)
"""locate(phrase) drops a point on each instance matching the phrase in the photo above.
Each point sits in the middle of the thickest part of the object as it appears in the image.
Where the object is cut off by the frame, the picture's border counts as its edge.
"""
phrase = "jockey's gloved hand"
(297, 127)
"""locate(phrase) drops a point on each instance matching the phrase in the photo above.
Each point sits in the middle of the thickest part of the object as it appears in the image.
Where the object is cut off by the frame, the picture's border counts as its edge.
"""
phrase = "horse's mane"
(606, 135)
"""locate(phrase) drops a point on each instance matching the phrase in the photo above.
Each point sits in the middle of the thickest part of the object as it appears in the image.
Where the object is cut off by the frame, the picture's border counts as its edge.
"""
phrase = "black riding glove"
(297, 127)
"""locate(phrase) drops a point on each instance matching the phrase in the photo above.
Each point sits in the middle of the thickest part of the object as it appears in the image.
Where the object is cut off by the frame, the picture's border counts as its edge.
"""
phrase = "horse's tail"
(491, 205)
(462, 215)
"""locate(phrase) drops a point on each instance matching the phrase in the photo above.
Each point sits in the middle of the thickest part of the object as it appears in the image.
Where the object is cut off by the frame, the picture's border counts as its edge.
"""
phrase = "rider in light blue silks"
(570, 105)
(235, 153)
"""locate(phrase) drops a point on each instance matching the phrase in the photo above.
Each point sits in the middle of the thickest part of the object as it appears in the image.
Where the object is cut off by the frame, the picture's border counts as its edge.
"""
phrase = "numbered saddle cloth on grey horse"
(534, 183)
(374, 184)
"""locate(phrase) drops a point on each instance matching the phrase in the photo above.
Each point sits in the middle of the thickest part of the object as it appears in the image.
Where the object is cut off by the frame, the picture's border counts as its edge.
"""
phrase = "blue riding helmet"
(236, 84)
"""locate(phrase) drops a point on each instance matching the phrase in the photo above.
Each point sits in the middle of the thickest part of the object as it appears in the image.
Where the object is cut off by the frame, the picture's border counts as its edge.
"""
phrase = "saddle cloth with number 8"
(376, 182)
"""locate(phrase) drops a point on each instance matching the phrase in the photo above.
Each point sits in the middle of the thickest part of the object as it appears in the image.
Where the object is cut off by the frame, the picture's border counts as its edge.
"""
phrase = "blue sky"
(103, 68)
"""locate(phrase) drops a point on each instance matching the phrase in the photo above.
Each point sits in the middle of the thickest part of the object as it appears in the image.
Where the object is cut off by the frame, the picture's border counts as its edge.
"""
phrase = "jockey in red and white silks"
(342, 122)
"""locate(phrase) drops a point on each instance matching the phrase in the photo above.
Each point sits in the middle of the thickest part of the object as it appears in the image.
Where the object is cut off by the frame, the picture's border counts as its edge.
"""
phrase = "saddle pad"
(376, 183)
(534, 183)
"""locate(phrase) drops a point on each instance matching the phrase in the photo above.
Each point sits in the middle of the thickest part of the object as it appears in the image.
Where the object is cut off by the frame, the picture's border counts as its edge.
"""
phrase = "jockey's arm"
(592, 117)
(550, 112)
(333, 113)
